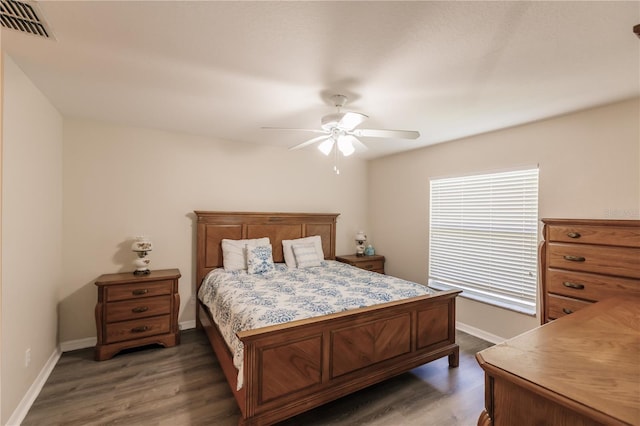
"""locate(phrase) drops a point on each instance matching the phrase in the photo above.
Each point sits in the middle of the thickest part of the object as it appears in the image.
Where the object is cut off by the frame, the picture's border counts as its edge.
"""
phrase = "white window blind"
(483, 237)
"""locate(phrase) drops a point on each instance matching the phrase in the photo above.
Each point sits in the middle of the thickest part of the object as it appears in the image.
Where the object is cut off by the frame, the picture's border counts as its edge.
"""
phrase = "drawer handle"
(575, 258)
(567, 311)
(140, 329)
(140, 309)
(368, 266)
(573, 285)
(573, 235)
(140, 292)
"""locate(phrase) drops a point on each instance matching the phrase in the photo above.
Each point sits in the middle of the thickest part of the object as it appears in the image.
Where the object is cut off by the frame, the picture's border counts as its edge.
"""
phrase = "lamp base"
(142, 272)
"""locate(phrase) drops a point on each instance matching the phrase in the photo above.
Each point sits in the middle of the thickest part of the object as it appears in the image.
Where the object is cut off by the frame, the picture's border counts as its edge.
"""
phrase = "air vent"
(21, 16)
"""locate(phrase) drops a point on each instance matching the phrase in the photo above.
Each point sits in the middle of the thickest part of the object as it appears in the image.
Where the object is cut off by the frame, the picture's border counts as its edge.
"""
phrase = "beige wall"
(31, 233)
(124, 181)
(589, 168)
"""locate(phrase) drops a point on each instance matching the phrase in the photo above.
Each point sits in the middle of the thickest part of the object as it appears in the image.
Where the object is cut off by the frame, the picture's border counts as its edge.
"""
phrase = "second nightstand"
(373, 263)
(136, 310)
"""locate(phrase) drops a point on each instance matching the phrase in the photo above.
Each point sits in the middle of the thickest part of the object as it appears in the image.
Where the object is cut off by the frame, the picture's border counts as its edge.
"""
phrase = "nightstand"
(136, 310)
(373, 263)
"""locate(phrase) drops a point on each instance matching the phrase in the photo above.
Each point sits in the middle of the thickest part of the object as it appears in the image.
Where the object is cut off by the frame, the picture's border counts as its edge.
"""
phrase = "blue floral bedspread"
(240, 301)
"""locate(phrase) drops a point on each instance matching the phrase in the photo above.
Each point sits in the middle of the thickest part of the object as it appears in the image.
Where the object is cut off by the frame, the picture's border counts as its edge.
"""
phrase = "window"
(483, 233)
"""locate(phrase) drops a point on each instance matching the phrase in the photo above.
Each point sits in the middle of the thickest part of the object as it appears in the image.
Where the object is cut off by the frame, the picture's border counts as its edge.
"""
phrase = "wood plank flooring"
(184, 385)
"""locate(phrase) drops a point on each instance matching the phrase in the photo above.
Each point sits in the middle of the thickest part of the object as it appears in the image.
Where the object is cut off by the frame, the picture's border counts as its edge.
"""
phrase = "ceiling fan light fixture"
(340, 132)
(326, 146)
(345, 146)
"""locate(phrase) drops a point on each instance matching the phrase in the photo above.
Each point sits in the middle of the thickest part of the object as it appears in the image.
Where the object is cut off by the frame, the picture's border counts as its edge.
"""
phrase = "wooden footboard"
(294, 367)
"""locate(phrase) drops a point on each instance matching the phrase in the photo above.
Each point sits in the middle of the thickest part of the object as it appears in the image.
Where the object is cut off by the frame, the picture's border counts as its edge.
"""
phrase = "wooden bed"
(291, 368)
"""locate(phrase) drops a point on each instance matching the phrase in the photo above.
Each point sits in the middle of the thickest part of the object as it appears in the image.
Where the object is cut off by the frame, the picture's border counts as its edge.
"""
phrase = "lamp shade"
(141, 244)
(326, 146)
(345, 146)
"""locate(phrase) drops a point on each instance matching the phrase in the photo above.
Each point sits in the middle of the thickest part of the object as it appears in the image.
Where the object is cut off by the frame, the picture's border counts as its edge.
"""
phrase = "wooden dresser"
(581, 370)
(374, 263)
(136, 310)
(583, 261)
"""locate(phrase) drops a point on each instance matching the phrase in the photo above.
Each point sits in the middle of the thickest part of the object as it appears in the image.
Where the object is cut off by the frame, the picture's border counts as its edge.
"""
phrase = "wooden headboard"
(214, 226)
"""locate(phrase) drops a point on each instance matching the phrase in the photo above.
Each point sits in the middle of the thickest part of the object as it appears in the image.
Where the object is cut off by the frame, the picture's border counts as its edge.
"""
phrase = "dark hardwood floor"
(184, 385)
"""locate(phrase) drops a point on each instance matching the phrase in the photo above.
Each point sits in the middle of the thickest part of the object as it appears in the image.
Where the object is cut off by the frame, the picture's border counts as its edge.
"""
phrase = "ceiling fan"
(340, 128)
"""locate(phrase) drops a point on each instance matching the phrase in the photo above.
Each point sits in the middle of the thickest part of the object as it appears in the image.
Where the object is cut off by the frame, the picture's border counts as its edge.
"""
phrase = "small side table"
(136, 310)
(373, 263)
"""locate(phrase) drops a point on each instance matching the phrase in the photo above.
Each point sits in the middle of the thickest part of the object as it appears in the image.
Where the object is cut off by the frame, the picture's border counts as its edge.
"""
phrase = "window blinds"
(483, 237)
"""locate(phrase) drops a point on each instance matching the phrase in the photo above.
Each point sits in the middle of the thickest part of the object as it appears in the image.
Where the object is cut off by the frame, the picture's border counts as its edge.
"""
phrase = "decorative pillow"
(287, 251)
(259, 259)
(234, 257)
(306, 255)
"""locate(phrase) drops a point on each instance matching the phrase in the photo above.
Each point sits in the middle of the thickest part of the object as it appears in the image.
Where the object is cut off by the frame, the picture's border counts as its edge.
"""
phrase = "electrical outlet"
(27, 357)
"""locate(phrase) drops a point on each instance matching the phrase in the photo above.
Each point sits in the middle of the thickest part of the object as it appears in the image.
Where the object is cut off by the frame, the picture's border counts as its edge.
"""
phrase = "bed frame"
(291, 368)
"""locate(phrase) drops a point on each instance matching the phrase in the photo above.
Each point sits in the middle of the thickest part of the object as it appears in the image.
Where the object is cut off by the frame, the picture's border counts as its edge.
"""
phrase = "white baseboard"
(479, 333)
(34, 390)
(186, 325)
(74, 345)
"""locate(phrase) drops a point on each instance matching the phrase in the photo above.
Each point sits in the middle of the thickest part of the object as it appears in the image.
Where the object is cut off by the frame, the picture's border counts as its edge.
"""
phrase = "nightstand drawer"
(143, 289)
(587, 286)
(374, 263)
(128, 330)
(371, 265)
(139, 308)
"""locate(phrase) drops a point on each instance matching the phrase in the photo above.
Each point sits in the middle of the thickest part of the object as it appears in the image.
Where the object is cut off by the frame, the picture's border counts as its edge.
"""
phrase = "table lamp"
(142, 246)
(361, 238)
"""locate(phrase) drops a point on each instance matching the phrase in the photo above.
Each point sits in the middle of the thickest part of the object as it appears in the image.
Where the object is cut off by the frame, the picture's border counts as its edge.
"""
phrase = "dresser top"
(589, 359)
(595, 222)
(129, 277)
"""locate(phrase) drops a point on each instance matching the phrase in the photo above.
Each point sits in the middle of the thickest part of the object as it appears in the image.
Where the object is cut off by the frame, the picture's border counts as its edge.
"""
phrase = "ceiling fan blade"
(359, 146)
(297, 130)
(351, 120)
(379, 133)
(309, 142)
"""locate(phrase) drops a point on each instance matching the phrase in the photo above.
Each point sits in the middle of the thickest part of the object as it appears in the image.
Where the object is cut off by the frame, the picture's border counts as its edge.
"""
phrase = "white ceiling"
(225, 69)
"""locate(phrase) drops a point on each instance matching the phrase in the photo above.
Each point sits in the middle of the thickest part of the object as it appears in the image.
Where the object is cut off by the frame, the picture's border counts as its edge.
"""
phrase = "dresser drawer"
(618, 261)
(558, 306)
(137, 290)
(589, 286)
(128, 330)
(138, 308)
(589, 234)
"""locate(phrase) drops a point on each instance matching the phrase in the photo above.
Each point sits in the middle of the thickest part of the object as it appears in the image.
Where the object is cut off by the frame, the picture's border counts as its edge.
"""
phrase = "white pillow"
(306, 255)
(234, 256)
(287, 251)
(259, 259)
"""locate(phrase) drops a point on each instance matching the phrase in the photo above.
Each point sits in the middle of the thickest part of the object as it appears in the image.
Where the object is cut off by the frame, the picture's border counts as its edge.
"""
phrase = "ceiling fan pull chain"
(336, 158)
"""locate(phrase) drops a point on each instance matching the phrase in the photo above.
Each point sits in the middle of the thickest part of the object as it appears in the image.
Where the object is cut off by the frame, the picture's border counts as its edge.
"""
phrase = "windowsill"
(479, 298)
